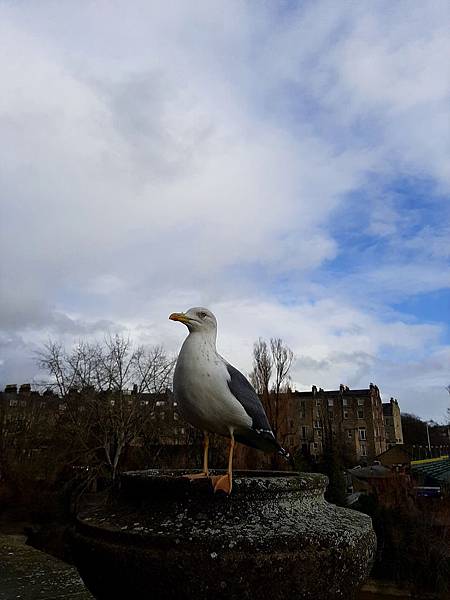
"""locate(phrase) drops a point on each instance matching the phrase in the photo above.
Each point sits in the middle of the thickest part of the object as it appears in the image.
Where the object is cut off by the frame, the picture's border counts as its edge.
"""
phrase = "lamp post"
(428, 438)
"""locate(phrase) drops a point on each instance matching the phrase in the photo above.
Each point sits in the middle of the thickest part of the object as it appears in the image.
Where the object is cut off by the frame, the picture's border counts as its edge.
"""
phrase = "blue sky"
(285, 164)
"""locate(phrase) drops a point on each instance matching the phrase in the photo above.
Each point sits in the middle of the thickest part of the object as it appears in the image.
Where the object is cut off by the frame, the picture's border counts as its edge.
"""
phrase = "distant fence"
(425, 452)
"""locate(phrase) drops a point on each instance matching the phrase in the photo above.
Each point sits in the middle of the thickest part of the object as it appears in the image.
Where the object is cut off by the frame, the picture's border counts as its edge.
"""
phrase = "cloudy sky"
(285, 164)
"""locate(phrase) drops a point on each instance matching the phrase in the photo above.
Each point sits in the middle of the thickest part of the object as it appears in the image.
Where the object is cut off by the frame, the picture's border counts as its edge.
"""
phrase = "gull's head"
(197, 319)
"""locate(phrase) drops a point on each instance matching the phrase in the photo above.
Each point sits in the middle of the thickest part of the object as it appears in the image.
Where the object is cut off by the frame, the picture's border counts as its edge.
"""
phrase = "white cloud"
(156, 157)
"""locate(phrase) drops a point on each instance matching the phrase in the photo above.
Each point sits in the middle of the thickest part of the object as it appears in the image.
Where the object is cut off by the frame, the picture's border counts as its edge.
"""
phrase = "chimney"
(11, 388)
(314, 390)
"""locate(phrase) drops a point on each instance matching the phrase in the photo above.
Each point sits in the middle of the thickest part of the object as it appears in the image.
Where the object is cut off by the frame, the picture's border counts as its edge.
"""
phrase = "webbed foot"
(222, 483)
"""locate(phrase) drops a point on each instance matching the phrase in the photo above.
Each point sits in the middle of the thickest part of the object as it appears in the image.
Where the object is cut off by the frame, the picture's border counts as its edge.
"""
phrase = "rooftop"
(437, 469)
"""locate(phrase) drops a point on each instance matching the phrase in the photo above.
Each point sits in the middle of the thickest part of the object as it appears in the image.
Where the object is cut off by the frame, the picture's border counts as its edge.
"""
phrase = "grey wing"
(260, 435)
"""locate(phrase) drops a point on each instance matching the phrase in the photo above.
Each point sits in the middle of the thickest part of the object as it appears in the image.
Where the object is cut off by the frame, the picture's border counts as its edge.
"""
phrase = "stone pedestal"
(274, 538)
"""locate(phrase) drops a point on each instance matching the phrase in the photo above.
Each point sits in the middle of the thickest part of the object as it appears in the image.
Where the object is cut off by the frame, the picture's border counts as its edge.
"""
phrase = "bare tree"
(282, 357)
(270, 375)
(153, 369)
(114, 366)
(282, 361)
(262, 367)
(103, 387)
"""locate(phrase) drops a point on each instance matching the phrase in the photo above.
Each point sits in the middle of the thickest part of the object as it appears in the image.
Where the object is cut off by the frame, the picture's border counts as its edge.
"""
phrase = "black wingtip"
(285, 454)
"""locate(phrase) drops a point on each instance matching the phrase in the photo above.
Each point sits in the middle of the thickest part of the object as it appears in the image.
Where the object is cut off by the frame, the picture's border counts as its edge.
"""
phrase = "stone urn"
(274, 537)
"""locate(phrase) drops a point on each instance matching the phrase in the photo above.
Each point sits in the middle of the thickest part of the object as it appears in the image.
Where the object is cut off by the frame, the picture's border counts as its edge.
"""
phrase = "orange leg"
(225, 482)
(205, 472)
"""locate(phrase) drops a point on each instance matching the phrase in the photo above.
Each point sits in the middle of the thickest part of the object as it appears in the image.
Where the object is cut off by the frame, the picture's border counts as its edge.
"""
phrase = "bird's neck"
(205, 340)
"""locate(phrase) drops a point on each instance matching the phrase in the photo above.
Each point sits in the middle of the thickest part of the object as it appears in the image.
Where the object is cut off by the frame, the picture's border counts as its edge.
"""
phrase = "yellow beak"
(179, 317)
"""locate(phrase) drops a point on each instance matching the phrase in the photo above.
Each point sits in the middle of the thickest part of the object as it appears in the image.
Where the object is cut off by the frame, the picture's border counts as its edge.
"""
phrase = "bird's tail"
(285, 454)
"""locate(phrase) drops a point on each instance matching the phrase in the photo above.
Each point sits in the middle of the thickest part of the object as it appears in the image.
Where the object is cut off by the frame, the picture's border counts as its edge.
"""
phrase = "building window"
(362, 433)
(360, 401)
(317, 424)
(303, 431)
(330, 401)
(175, 416)
(302, 410)
(360, 413)
(363, 450)
(316, 445)
(317, 401)
(344, 402)
(349, 434)
(345, 414)
(13, 402)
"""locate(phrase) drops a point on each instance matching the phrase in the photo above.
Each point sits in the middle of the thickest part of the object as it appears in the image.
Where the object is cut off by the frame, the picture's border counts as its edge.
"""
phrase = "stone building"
(397, 458)
(392, 423)
(346, 421)
(31, 423)
(349, 420)
(308, 423)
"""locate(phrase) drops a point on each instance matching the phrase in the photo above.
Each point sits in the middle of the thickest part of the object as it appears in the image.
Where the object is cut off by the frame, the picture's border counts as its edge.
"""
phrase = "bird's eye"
(202, 315)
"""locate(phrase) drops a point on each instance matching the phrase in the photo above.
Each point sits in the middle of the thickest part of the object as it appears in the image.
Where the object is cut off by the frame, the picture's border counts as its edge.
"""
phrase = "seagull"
(215, 397)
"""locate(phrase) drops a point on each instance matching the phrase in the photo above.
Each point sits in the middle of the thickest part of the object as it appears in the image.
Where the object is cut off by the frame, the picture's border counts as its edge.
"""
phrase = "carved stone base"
(274, 538)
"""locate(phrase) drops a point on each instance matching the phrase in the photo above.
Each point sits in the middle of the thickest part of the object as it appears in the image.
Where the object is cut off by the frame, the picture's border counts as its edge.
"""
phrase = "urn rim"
(243, 480)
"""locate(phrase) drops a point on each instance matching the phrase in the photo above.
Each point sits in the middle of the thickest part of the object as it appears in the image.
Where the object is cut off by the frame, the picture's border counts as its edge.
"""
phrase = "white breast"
(201, 389)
